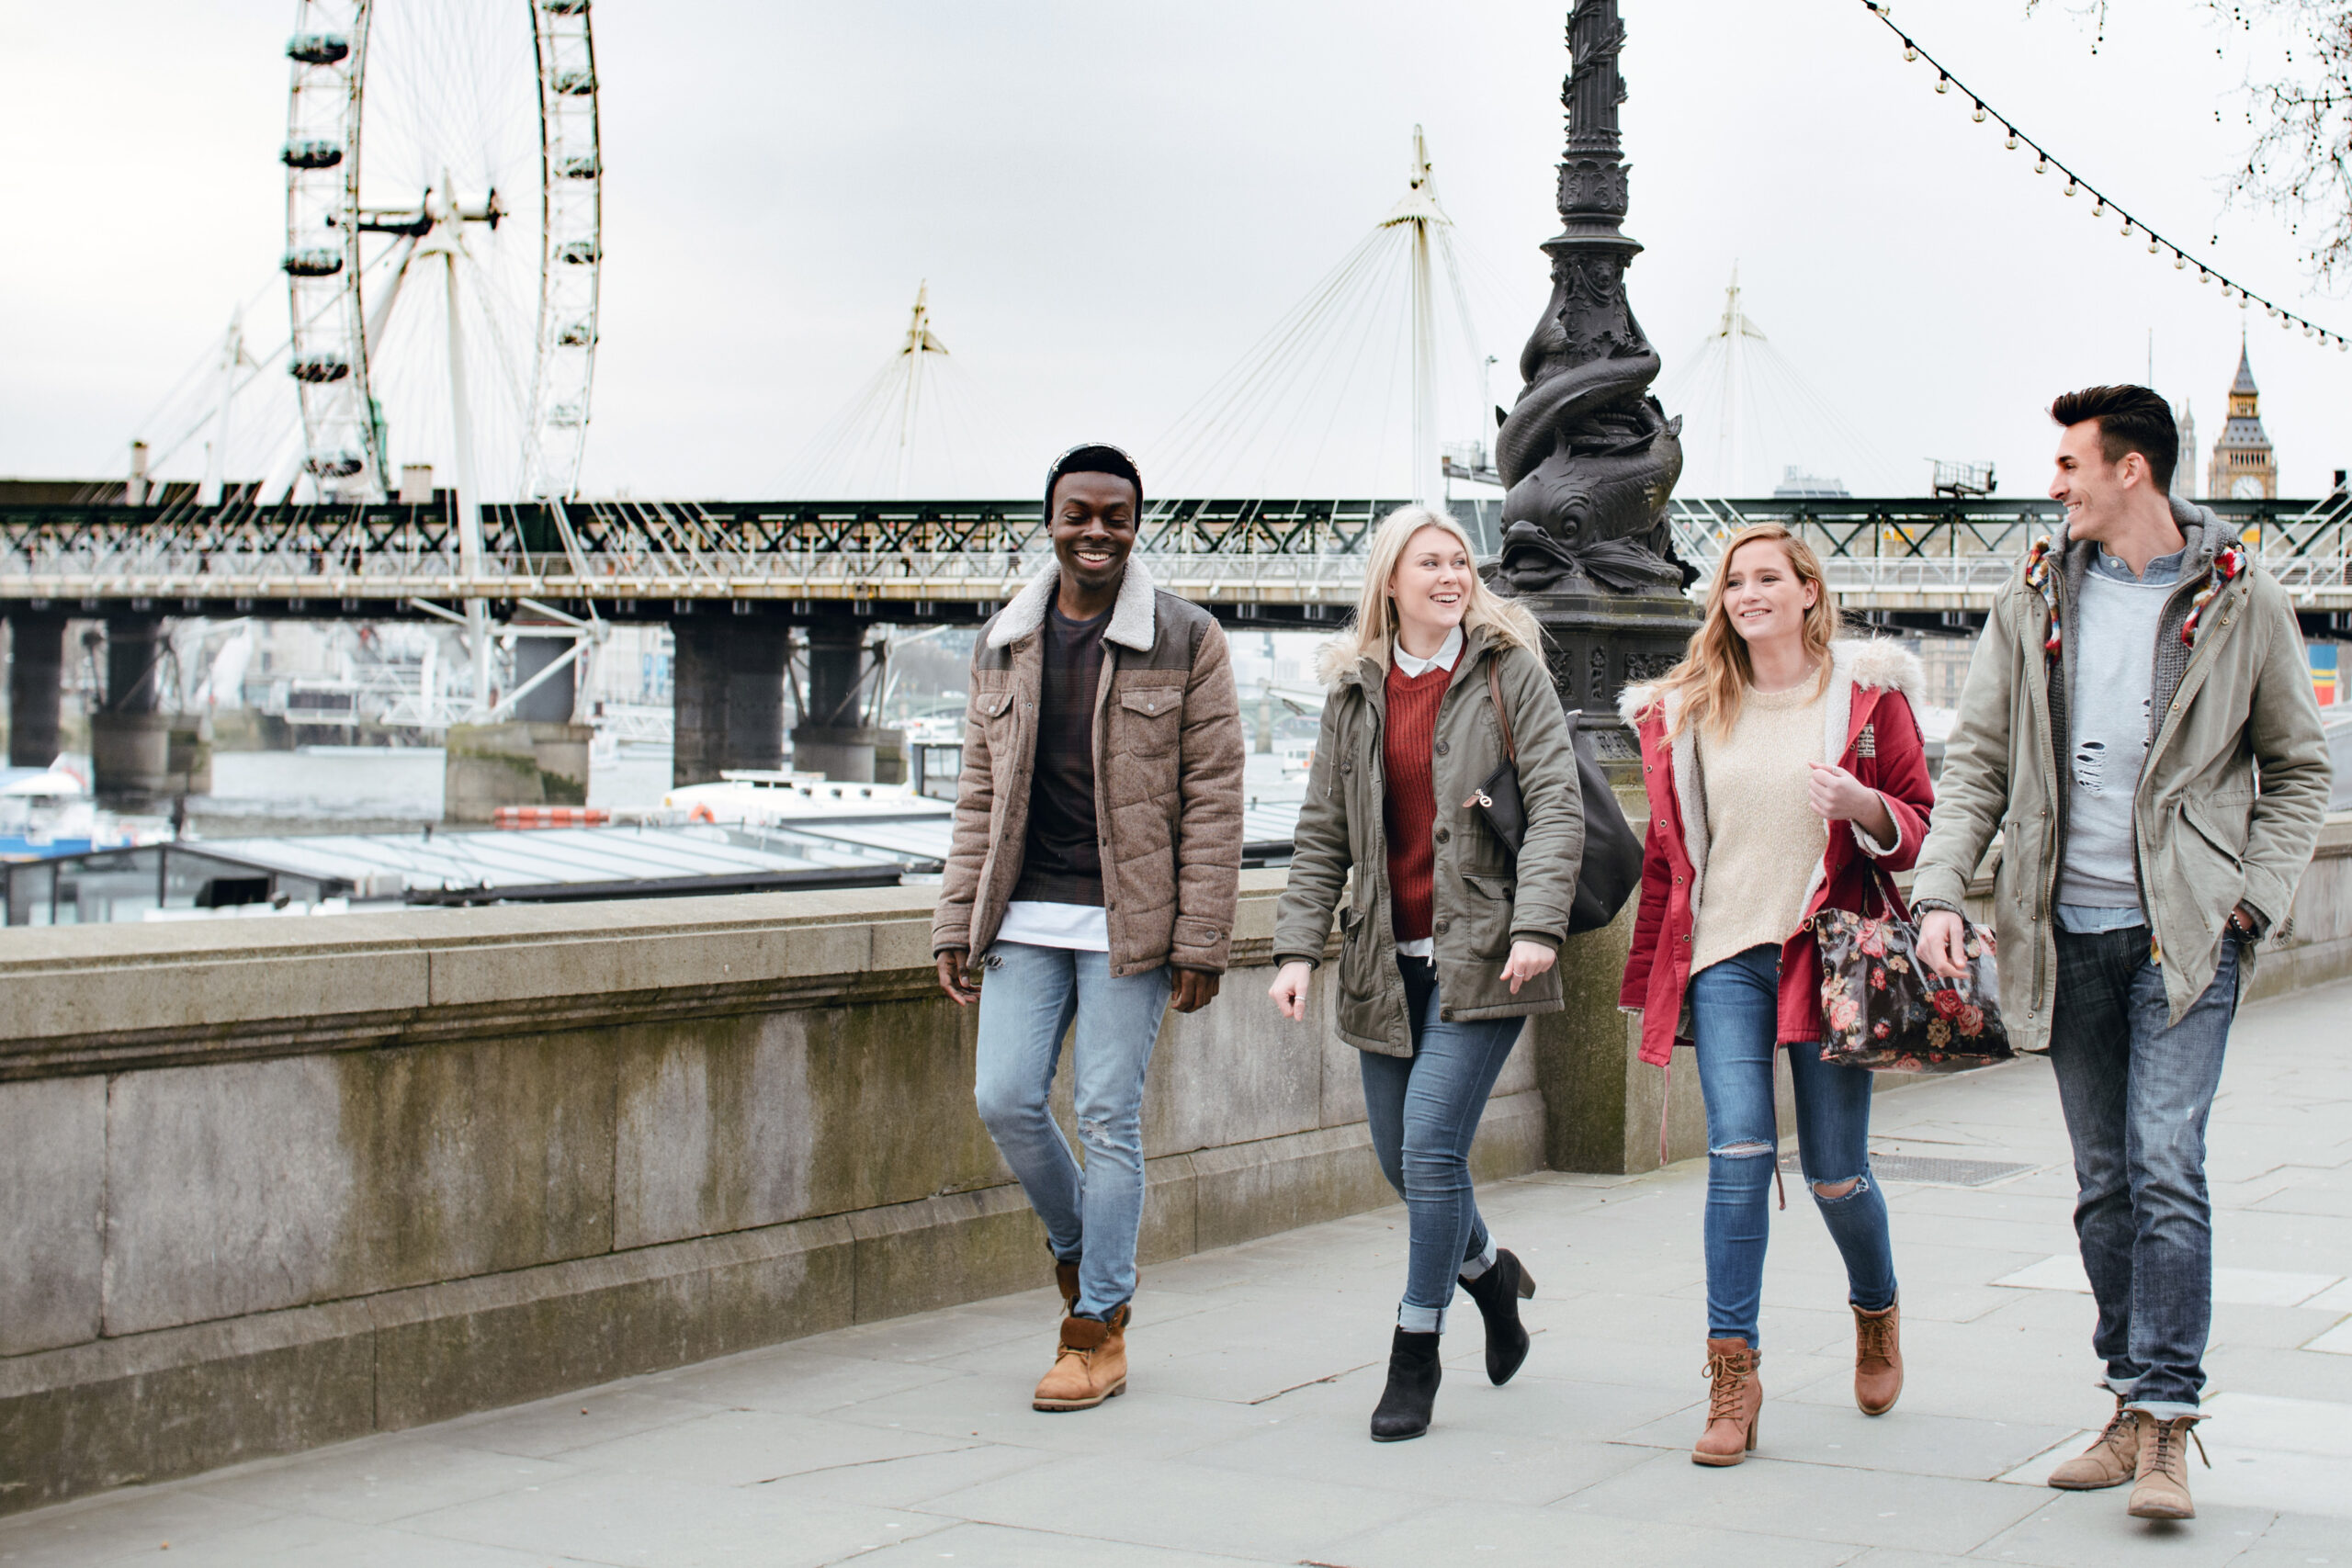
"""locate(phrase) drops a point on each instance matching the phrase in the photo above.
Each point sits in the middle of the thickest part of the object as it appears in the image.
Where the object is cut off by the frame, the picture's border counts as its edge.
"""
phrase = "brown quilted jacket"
(1168, 760)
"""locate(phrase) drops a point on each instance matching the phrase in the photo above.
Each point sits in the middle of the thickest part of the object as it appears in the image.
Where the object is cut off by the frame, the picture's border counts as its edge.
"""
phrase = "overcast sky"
(1113, 203)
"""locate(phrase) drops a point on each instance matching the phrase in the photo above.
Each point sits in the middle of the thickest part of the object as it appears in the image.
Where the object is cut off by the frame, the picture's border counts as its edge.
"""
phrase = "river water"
(345, 789)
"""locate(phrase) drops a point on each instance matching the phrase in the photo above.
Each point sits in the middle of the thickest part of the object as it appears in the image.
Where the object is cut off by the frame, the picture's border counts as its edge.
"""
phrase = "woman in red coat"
(1779, 764)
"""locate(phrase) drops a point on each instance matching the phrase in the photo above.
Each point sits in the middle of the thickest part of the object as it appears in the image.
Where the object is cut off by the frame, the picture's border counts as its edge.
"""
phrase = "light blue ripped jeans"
(1028, 997)
(1734, 1006)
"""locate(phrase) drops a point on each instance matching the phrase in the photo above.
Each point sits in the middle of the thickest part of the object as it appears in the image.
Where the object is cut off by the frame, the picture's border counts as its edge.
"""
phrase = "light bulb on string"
(2100, 209)
(2041, 165)
(1910, 54)
(1979, 116)
(2011, 144)
(2152, 246)
(2070, 185)
(1943, 84)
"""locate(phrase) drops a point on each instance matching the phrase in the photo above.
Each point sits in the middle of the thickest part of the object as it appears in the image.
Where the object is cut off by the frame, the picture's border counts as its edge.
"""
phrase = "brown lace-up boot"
(1878, 1359)
(1732, 1405)
(2114, 1460)
(1090, 1367)
(2162, 1473)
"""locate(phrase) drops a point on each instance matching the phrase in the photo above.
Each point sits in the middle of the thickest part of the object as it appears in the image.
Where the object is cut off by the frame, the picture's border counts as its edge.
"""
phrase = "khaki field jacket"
(2229, 804)
(1168, 760)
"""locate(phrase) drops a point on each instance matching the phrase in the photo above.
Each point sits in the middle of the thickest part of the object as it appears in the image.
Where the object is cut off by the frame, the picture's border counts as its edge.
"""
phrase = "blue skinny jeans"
(1028, 997)
(1424, 1110)
(1734, 1006)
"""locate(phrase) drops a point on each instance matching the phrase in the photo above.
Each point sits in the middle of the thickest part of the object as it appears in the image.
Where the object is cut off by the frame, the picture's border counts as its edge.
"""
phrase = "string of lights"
(2102, 204)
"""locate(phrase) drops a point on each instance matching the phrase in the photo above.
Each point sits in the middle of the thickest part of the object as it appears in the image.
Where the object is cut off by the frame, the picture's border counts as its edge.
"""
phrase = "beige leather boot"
(2114, 1460)
(2162, 1489)
(1090, 1366)
(1878, 1359)
(1732, 1404)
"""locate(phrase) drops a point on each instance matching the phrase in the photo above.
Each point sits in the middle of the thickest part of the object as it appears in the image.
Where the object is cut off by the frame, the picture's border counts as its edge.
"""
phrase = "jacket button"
(1443, 834)
(1677, 881)
(1440, 747)
(1439, 928)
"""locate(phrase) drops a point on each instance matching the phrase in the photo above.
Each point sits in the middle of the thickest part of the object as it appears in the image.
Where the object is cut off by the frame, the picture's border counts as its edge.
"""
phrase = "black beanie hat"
(1093, 457)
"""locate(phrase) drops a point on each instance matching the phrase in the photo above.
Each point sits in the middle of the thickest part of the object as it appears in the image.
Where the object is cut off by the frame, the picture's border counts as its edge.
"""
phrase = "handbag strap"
(1502, 713)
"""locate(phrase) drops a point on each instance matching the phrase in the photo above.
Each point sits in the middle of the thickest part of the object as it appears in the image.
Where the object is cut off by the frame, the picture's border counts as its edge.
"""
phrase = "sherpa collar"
(1133, 625)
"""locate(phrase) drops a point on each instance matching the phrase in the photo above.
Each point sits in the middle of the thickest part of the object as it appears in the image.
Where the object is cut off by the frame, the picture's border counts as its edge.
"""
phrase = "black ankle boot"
(1413, 1372)
(1498, 1291)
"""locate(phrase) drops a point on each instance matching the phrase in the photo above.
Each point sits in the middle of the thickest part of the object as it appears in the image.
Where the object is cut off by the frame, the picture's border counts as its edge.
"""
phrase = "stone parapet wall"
(272, 1183)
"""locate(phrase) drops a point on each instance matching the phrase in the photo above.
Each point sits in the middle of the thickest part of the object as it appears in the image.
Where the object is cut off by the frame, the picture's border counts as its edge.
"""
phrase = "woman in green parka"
(1448, 940)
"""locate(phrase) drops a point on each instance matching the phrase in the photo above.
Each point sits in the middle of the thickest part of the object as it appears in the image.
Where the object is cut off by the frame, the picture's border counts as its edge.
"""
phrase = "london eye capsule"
(335, 465)
(318, 368)
(575, 84)
(564, 7)
(311, 154)
(578, 253)
(319, 48)
(323, 262)
(579, 334)
(582, 168)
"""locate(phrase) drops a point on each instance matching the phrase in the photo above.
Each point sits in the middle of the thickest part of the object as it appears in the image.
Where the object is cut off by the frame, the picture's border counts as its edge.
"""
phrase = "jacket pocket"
(1146, 721)
(1487, 915)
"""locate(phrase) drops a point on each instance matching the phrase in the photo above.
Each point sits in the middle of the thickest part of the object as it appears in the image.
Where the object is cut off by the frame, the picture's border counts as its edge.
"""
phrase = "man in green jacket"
(2138, 727)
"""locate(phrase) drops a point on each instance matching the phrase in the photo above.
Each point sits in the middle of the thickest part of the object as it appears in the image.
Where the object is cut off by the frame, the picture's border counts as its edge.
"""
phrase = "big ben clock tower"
(2243, 467)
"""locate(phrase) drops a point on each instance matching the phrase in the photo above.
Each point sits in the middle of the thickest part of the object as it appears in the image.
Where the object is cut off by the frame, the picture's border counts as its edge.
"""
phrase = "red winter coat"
(1872, 687)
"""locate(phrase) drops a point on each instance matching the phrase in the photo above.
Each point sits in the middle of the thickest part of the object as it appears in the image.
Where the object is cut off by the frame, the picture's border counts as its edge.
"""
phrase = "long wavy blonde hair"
(1716, 672)
(1508, 622)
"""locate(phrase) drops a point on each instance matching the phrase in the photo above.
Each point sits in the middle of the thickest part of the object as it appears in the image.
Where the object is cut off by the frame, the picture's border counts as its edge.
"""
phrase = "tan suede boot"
(1090, 1367)
(2114, 1460)
(1878, 1359)
(1733, 1404)
(2162, 1475)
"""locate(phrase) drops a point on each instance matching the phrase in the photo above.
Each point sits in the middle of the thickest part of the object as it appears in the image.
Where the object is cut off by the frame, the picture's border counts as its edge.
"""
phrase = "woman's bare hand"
(1289, 989)
(1528, 959)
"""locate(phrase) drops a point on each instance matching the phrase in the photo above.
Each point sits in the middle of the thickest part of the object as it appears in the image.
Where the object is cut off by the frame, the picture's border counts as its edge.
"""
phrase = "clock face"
(2245, 487)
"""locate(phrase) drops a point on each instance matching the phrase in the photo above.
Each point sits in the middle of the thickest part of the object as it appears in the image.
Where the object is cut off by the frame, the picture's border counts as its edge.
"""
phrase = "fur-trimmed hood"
(1877, 662)
(1133, 624)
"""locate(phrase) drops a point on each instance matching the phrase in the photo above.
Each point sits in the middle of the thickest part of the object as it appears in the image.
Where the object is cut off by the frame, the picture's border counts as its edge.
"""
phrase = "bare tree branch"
(2300, 162)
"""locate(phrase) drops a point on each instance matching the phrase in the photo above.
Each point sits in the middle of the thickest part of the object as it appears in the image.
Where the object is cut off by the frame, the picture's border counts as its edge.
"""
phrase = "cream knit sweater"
(1764, 836)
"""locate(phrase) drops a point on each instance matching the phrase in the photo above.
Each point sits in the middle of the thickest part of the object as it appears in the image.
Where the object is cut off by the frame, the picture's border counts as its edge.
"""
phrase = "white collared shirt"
(1414, 669)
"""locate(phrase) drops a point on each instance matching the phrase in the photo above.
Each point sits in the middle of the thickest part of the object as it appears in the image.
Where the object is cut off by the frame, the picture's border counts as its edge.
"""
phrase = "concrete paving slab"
(1197, 1509)
(662, 1522)
(1501, 1536)
(744, 1448)
(2090, 1529)
(1774, 1497)
(1475, 1464)
(996, 1546)
(376, 1481)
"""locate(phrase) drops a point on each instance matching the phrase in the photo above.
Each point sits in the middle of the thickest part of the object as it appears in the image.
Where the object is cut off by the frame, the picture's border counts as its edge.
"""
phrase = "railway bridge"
(739, 582)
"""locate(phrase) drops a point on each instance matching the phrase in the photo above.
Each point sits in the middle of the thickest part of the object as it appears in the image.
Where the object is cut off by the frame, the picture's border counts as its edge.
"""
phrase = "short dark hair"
(1093, 457)
(2131, 419)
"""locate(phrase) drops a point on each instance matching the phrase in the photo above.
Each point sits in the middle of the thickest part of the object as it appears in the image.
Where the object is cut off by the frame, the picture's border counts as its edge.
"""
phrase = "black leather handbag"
(1611, 867)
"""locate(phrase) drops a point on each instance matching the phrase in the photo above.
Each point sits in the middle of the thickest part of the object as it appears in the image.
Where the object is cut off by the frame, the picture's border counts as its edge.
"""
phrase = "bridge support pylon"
(36, 682)
(131, 734)
(727, 695)
(830, 739)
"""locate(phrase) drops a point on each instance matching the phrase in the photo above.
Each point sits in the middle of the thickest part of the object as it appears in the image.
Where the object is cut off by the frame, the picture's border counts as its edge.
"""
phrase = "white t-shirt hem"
(1085, 928)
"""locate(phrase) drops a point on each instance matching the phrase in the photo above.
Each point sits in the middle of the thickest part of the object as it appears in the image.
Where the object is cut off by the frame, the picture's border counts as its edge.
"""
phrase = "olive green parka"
(1482, 901)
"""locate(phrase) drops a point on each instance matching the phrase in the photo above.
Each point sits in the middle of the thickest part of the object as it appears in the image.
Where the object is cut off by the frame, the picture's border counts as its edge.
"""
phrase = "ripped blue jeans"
(1734, 1007)
(1028, 997)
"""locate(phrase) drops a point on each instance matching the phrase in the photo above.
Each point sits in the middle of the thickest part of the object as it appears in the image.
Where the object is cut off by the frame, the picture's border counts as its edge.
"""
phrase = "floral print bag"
(1884, 1010)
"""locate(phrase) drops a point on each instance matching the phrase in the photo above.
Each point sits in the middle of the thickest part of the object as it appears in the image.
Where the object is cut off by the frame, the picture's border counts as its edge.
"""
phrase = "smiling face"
(2095, 493)
(1093, 529)
(1430, 585)
(1764, 598)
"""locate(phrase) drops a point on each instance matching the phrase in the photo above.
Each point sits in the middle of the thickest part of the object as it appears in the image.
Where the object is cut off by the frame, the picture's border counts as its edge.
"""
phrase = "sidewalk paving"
(1242, 1438)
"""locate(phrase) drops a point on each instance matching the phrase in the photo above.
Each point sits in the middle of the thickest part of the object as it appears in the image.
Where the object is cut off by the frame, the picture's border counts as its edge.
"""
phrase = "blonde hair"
(1716, 672)
(1508, 623)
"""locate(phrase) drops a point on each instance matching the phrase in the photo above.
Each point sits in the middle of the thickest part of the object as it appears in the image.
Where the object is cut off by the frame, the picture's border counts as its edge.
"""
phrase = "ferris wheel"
(444, 239)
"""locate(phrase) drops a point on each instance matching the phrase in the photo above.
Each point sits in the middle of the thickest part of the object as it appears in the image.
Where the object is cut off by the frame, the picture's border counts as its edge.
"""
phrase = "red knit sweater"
(1410, 804)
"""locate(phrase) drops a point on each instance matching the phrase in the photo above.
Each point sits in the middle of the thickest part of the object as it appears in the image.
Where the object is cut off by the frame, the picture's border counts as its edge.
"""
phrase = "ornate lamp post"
(1587, 454)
